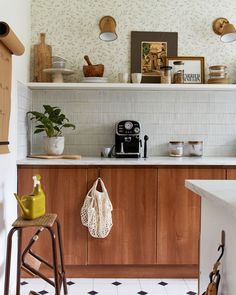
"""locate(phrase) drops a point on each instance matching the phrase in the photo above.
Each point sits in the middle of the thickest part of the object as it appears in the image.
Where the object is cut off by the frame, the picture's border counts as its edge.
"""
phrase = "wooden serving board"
(43, 156)
(42, 60)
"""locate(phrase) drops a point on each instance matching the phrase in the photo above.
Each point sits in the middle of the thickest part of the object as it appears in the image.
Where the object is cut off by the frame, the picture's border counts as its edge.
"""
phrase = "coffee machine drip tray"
(127, 155)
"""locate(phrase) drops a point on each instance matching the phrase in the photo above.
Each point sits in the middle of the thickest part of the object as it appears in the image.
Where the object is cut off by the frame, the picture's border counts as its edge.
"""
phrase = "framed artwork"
(194, 68)
(149, 51)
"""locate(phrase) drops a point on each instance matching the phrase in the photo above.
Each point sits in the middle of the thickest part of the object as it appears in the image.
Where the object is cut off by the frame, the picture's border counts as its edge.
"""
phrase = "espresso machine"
(127, 141)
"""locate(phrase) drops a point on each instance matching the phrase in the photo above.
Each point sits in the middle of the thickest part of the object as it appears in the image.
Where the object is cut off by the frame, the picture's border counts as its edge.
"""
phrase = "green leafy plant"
(52, 121)
(146, 49)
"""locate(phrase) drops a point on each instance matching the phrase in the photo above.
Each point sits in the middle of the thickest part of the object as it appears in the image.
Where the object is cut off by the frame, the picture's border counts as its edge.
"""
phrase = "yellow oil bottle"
(33, 205)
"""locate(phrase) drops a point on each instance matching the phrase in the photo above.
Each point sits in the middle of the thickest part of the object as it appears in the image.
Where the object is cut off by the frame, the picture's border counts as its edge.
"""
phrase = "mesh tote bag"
(96, 212)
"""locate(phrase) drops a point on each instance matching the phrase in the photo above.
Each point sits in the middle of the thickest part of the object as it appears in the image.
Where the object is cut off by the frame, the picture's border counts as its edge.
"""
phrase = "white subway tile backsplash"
(87, 139)
(222, 97)
(192, 108)
(23, 91)
(112, 118)
(226, 108)
(124, 107)
(38, 149)
(86, 118)
(222, 129)
(24, 105)
(96, 129)
(82, 107)
(37, 139)
(193, 97)
(164, 115)
(227, 140)
(220, 150)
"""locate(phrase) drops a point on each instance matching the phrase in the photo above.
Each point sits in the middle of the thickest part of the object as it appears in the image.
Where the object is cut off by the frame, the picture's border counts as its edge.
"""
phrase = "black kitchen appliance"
(127, 142)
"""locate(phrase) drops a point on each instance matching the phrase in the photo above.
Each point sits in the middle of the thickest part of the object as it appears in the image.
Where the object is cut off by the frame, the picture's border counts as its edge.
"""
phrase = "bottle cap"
(195, 141)
(166, 68)
(176, 142)
(178, 62)
(36, 179)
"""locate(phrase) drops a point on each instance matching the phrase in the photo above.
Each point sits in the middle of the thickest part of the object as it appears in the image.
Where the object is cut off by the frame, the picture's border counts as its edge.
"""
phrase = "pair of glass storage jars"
(194, 148)
(177, 77)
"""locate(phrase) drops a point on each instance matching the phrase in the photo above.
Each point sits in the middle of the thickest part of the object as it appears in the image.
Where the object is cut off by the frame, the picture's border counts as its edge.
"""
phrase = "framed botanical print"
(149, 51)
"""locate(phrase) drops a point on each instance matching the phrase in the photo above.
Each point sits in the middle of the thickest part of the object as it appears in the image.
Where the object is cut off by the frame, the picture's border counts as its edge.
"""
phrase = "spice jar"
(176, 148)
(166, 74)
(178, 77)
(195, 148)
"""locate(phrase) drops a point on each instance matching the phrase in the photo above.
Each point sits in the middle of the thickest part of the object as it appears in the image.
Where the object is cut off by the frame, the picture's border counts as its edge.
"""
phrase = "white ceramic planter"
(54, 145)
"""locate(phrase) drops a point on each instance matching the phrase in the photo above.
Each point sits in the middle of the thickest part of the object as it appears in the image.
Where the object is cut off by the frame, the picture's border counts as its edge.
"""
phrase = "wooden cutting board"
(43, 156)
(42, 60)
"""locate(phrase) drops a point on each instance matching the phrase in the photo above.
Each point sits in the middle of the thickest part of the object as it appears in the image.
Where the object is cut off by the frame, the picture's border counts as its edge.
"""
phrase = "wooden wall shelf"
(132, 87)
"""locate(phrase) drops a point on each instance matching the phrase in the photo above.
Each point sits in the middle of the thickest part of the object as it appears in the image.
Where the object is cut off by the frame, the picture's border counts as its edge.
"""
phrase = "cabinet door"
(65, 190)
(178, 214)
(231, 173)
(132, 239)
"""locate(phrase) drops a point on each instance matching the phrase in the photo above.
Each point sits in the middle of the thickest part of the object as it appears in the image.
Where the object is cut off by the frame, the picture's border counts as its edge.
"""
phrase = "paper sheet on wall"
(9, 44)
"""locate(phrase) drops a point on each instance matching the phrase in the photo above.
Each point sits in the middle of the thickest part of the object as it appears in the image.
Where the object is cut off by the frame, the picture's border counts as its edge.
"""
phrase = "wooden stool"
(45, 222)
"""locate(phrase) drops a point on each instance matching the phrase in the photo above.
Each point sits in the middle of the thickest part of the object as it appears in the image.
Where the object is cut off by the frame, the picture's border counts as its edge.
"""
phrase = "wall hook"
(222, 246)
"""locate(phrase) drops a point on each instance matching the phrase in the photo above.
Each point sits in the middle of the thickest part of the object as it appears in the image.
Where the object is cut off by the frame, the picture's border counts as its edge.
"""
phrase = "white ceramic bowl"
(59, 64)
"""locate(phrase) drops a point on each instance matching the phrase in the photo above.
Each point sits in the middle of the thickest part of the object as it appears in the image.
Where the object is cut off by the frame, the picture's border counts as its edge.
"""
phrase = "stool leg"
(55, 265)
(61, 256)
(19, 261)
(8, 261)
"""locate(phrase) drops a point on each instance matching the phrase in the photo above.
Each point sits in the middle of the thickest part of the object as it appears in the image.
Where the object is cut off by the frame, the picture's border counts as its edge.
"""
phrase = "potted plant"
(52, 121)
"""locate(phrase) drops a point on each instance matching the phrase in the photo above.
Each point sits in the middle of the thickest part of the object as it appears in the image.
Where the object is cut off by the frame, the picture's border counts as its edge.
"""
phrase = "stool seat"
(46, 220)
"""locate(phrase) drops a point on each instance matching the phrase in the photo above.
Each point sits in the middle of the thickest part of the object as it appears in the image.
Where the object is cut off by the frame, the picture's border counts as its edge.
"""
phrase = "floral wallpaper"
(71, 27)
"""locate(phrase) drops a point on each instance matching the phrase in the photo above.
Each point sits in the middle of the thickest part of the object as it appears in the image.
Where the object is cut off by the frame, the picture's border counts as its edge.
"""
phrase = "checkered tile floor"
(116, 286)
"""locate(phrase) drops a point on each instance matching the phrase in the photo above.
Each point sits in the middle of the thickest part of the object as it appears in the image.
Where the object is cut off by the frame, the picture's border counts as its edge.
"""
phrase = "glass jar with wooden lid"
(195, 148)
(178, 76)
(176, 148)
(166, 74)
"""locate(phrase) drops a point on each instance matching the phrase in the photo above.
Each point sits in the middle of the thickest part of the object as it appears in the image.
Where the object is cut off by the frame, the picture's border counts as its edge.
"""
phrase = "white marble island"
(218, 212)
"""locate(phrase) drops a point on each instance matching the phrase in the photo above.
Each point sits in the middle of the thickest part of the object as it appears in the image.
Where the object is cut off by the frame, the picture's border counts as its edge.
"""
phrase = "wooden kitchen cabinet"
(156, 220)
(178, 214)
(231, 174)
(132, 240)
(65, 189)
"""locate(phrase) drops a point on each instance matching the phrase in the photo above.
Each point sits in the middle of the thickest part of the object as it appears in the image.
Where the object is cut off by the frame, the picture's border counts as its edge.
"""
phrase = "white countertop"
(198, 161)
(222, 192)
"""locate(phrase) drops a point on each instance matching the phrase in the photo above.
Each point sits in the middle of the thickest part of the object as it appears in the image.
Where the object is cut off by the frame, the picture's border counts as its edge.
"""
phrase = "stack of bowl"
(58, 69)
(218, 75)
(58, 62)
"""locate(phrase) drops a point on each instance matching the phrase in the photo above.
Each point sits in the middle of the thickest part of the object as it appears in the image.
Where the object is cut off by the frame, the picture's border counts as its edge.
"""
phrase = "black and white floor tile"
(116, 286)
